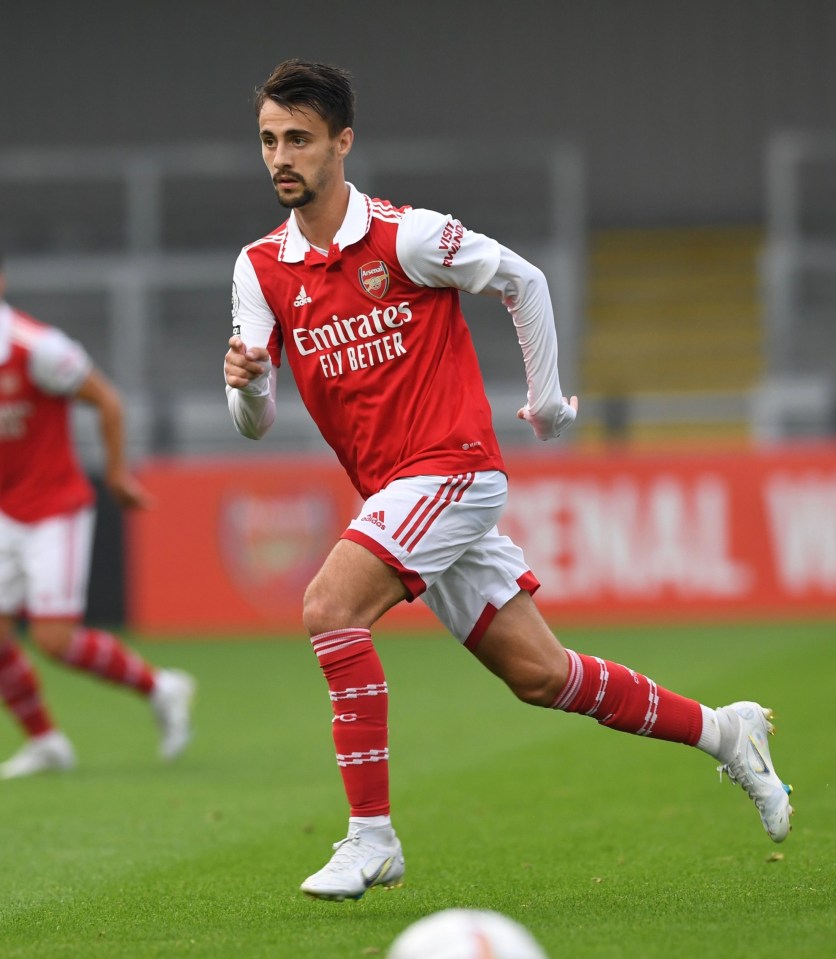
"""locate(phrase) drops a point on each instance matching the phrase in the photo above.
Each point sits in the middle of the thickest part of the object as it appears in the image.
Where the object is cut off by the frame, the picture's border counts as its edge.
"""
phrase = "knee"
(322, 612)
(537, 688)
(538, 681)
(52, 637)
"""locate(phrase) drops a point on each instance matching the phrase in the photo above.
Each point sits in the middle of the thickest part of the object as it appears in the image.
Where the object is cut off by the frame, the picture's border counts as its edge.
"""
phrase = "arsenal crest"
(272, 545)
(374, 278)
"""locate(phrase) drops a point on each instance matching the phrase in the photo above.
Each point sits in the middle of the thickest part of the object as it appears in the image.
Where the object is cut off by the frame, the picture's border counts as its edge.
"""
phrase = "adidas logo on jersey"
(301, 297)
(376, 517)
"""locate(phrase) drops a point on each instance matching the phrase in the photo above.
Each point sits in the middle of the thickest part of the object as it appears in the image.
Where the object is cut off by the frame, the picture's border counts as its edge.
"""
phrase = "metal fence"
(131, 251)
(798, 396)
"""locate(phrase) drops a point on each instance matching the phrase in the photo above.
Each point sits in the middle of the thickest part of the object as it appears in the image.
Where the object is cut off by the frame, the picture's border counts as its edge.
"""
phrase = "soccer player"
(46, 536)
(364, 299)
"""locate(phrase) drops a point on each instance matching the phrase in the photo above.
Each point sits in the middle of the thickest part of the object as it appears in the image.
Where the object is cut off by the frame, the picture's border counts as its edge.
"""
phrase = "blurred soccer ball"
(465, 934)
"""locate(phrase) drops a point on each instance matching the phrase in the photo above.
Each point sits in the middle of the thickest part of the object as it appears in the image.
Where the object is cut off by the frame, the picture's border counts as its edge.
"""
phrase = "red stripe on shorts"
(450, 491)
(408, 519)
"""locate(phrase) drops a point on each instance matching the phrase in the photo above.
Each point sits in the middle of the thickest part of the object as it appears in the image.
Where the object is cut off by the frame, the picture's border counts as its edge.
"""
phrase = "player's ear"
(344, 142)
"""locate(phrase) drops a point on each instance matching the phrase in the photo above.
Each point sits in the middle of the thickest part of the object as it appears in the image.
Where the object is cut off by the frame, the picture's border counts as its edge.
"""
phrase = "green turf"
(605, 845)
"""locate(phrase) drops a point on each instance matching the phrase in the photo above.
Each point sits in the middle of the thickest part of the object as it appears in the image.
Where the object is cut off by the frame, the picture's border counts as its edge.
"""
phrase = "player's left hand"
(549, 422)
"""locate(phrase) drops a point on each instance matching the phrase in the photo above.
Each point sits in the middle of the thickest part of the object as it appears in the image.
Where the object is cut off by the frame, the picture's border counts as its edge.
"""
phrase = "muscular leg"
(45, 569)
(520, 648)
(351, 591)
(92, 651)
(101, 654)
(353, 588)
(19, 686)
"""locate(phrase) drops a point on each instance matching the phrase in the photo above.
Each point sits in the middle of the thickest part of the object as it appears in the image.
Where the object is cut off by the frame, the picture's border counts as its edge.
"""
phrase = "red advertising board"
(620, 537)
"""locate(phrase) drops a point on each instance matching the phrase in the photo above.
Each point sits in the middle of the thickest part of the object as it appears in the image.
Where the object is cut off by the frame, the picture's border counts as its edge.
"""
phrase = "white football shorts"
(45, 566)
(439, 534)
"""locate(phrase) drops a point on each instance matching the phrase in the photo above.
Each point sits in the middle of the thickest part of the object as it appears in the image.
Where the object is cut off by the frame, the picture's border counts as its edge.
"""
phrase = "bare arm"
(99, 392)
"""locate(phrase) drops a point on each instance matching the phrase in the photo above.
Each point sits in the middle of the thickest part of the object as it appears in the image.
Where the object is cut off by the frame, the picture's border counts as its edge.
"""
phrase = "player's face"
(301, 155)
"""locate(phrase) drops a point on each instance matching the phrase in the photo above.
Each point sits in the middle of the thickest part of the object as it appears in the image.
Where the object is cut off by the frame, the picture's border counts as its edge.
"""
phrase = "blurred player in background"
(364, 298)
(46, 537)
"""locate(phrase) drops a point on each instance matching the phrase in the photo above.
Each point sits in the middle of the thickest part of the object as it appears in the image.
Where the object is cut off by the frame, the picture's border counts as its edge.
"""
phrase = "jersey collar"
(354, 227)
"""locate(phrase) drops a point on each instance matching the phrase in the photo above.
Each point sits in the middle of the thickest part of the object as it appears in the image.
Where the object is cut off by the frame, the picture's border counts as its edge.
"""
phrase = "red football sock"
(21, 692)
(623, 699)
(100, 653)
(360, 701)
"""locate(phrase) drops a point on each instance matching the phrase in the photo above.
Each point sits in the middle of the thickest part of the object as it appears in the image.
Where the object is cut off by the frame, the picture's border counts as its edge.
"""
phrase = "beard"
(321, 179)
(303, 199)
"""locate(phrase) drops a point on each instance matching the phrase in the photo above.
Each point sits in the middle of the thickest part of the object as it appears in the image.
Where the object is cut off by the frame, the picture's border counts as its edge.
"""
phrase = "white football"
(466, 934)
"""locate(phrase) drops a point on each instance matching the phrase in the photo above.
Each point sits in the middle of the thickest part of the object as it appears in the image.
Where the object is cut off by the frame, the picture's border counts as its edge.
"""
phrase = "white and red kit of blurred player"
(47, 519)
(375, 338)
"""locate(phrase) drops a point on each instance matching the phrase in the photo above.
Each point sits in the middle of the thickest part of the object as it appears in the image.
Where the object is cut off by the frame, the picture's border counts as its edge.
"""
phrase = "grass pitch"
(604, 845)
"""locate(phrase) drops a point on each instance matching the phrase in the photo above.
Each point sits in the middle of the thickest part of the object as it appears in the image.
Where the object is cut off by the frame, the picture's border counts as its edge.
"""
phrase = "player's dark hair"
(320, 87)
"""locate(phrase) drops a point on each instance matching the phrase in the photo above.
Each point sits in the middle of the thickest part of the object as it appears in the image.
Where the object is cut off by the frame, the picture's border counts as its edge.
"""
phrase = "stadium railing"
(798, 394)
(132, 250)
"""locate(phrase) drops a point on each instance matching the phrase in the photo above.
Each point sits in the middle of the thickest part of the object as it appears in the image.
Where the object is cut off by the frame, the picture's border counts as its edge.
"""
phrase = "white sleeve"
(59, 365)
(525, 293)
(253, 409)
(436, 250)
(253, 413)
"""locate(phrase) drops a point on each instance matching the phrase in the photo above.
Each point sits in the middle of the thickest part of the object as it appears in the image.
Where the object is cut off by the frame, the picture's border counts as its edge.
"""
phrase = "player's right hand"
(242, 365)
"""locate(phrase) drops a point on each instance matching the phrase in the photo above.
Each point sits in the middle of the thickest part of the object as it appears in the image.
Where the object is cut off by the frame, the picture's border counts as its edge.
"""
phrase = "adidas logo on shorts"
(375, 517)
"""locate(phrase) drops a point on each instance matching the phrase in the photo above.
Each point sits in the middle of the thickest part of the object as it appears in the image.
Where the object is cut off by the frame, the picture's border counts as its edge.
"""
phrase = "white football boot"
(366, 857)
(171, 700)
(40, 754)
(745, 748)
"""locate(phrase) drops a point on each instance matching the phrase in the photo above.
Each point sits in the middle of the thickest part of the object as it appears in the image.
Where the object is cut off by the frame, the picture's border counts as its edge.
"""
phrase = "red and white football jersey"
(375, 337)
(40, 370)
